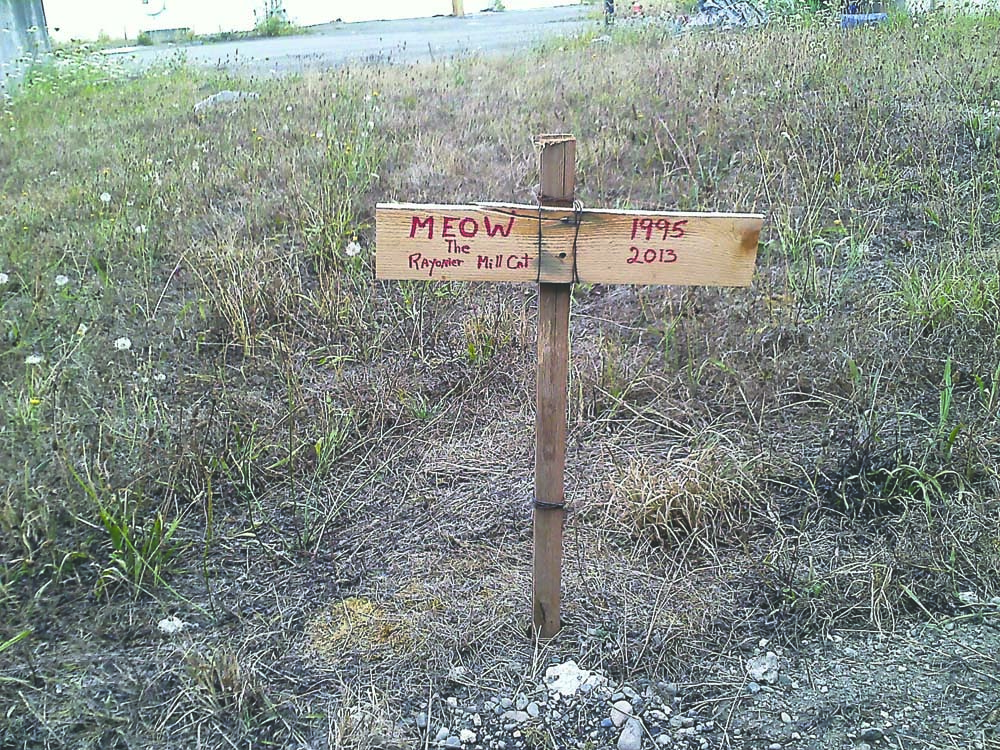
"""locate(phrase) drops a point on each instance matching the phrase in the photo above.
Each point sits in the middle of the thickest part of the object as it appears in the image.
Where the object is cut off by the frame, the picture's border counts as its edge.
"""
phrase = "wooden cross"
(556, 244)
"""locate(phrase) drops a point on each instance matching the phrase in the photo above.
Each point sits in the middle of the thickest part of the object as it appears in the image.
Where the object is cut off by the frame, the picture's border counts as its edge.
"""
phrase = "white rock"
(764, 668)
(566, 679)
(171, 625)
(620, 712)
(442, 734)
(467, 736)
(533, 710)
(518, 717)
(631, 736)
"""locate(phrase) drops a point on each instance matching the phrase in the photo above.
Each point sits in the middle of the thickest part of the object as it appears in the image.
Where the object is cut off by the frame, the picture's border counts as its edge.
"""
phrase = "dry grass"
(818, 451)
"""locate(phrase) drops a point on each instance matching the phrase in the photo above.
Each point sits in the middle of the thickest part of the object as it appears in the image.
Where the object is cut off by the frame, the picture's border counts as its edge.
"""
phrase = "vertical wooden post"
(457, 8)
(557, 167)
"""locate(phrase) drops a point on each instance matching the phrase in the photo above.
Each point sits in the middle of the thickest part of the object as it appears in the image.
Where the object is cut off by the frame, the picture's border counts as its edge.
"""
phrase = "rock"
(764, 668)
(664, 740)
(774, 746)
(567, 679)
(520, 701)
(786, 717)
(477, 720)
(631, 736)
(872, 734)
(753, 688)
(518, 717)
(670, 688)
(453, 741)
(533, 710)
(442, 734)
(506, 704)
(225, 97)
(421, 720)
(968, 598)
(171, 625)
(467, 736)
(620, 712)
(452, 701)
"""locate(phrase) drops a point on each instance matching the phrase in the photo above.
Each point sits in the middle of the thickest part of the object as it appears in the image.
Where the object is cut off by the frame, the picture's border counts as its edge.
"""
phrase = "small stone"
(533, 710)
(774, 746)
(521, 702)
(607, 723)
(467, 736)
(453, 741)
(664, 740)
(619, 696)
(567, 679)
(753, 688)
(670, 688)
(518, 717)
(631, 736)
(786, 718)
(506, 704)
(421, 719)
(477, 720)
(442, 734)
(171, 625)
(764, 668)
(620, 712)
(872, 734)
(687, 722)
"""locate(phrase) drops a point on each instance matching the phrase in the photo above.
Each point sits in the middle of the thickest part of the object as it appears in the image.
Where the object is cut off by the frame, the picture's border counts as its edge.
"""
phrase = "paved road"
(379, 41)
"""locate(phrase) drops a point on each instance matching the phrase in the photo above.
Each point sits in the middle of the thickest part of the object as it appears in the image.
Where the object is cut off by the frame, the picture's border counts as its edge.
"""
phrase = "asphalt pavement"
(413, 40)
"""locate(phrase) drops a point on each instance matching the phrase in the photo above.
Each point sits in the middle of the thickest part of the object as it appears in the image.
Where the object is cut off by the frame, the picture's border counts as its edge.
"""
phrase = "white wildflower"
(288, 108)
(34, 359)
(141, 229)
(123, 344)
(62, 280)
(353, 249)
(4, 278)
(195, 167)
(81, 330)
(105, 197)
(159, 377)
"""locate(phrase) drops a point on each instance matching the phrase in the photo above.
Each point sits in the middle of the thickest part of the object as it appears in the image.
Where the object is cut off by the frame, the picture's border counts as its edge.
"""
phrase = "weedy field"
(212, 411)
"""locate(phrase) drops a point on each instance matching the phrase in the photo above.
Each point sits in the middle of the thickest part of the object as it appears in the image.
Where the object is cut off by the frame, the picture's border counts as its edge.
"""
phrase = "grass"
(285, 441)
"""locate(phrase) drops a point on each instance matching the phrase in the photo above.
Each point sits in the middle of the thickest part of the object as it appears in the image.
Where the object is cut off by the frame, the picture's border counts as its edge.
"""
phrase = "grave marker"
(556, 244)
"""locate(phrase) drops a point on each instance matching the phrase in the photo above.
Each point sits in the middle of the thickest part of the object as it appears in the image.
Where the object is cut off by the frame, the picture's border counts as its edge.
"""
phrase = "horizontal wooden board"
(510, 242)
